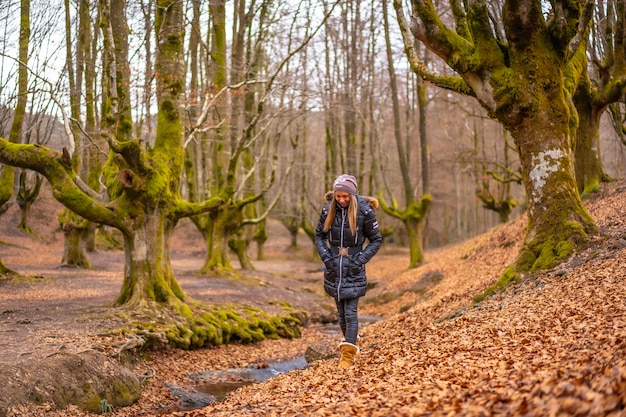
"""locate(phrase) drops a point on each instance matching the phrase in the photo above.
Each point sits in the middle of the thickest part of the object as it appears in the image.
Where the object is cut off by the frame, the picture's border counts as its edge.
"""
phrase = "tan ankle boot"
(348, 352)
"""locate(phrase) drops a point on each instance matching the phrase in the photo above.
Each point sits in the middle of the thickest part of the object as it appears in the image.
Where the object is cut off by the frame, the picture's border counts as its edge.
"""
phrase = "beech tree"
(143, 184)
(599, 79)
(494, 178)
(233, 138)
(514, 67)
(413, 216)
(75, 227)
(8, 175)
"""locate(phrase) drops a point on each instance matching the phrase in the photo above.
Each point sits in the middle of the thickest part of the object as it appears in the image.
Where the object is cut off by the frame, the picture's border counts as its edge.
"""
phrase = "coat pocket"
(330, 270)
(356, 268)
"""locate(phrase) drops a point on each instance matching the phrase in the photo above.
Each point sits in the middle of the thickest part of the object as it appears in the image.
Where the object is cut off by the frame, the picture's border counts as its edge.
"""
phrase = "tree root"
(196, 324)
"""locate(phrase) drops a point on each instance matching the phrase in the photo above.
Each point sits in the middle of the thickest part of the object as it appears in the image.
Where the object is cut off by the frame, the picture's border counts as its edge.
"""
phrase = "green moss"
(184, 310)
(507, 277)
(507, 90)
(93, 404)
(109, 239)
(203, 325)
(150, 326)
(112, 184)
(269, 329)
(552, 254)
(590, 189)
(221, 315)
(123, 394)
(555, 241)
(6, 183)
(36, 397)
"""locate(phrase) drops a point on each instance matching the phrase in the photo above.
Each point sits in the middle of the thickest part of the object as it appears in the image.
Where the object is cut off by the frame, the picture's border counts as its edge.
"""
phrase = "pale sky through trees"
(47, 56)
(47, 48)
(451, 123)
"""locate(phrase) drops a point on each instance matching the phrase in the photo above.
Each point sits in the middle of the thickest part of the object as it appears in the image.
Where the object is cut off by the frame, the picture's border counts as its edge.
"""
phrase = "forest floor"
(552, 344)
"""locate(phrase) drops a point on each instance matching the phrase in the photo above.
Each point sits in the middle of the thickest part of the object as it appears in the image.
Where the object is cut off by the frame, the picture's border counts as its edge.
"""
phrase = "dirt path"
(53, 309)
(58, 308)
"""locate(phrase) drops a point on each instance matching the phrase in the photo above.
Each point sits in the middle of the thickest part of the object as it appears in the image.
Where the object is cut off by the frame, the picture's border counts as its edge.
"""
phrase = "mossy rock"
(87, 380)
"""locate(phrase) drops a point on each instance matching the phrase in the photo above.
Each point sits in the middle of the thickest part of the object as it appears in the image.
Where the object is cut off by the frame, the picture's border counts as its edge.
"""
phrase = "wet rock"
(319, 351)
(189, 399)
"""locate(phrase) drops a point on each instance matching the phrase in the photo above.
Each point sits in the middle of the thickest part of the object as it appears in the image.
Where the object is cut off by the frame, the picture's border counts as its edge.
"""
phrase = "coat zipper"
(343, 221)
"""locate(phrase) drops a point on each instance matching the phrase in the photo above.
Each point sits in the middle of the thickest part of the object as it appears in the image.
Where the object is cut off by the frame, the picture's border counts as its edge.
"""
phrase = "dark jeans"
(347, 313)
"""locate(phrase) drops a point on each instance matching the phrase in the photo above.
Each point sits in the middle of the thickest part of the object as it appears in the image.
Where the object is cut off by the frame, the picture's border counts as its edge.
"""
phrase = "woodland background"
(234, 113)
(333, 89)
(321, 104)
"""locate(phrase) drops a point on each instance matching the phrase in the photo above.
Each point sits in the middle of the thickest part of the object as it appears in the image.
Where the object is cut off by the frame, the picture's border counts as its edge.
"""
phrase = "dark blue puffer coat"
(344, 276)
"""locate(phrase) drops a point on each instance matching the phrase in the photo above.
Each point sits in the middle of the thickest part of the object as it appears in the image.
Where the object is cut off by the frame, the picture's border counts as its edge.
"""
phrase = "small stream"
(212, 386)
(235, 378)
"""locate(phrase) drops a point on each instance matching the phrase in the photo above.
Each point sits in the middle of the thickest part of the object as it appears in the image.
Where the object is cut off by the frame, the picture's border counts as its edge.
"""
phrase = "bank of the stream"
(209, 386)
(64, 311)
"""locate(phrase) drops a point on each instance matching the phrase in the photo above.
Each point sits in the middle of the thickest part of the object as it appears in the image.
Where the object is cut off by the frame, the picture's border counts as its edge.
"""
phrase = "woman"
(344, 225)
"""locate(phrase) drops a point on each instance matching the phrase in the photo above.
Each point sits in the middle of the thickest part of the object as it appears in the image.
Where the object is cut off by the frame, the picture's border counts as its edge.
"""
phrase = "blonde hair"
(353, 206)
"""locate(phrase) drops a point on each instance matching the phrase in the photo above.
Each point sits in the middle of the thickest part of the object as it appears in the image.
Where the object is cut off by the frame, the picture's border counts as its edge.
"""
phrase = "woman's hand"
(329, 265)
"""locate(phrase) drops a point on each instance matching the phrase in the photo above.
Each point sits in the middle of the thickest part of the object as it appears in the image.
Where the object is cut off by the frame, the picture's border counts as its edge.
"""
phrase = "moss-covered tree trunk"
(73, 255)
(217, 232)
(92, 157)
(151, 181)
(206, 172)
(240, 245)
(5, 271)
(74, 229)
(260, 237)
(588, 164)
(558, 221)
(148, 275)
(413, 216)
(26, 197)
(7, 175)
(519, 82)
(540, 121)
(591, 98)
(292, 224)
(72, 224)
(598, 76)
(414, 228)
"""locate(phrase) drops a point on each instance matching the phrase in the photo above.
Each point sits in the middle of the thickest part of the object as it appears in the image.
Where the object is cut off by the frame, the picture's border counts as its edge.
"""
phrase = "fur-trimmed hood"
(372, 201)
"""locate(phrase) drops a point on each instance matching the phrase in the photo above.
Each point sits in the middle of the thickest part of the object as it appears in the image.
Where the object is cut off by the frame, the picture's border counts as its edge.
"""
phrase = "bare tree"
(494, 172)
(143, 185)
(7, 177)
(513, 78)
(598, 80)
(413, 216)
(244, 128)
(74, 226)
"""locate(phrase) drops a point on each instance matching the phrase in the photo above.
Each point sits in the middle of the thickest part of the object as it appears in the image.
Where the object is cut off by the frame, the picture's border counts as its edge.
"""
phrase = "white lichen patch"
(140, 248)
(544, 164)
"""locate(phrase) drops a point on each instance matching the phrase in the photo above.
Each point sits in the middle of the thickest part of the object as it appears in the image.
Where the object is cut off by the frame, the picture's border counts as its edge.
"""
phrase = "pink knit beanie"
(346, 183)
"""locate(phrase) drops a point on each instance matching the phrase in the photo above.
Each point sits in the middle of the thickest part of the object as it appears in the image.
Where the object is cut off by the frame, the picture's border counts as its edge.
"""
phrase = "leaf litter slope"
(553, 344)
